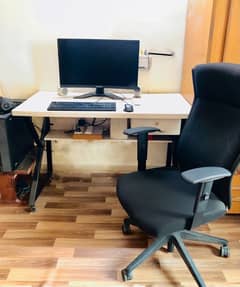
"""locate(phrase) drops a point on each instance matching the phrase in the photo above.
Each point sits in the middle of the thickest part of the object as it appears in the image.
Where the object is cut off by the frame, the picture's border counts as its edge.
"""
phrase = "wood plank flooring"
(74, 239)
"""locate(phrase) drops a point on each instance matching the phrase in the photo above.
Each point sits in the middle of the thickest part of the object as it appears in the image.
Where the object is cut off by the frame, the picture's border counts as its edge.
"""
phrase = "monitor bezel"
(130, 87)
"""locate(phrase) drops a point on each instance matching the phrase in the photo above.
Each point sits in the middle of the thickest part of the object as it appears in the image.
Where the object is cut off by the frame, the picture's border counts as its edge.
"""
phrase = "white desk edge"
(149, 106)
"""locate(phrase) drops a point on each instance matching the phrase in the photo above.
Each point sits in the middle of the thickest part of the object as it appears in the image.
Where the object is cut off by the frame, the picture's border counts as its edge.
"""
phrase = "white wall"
(28, 57)
(29, 29)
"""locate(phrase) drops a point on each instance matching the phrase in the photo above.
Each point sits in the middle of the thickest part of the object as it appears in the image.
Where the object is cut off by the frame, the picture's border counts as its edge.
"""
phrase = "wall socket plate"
(145, 62)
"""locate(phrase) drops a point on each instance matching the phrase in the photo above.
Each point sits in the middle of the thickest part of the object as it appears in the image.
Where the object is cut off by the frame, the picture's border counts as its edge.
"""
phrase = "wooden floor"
(74, 239)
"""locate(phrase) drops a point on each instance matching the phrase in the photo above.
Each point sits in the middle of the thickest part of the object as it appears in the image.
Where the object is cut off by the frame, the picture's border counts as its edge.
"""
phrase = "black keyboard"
(82, 106)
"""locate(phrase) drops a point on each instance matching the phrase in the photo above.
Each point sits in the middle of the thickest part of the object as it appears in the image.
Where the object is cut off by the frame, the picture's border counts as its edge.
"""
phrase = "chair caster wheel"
(126, 227)
(32, 208)
(224, 251)
(126, 275)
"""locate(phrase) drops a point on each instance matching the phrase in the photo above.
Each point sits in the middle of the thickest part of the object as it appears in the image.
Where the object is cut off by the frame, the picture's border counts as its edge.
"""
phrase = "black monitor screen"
(98, 62)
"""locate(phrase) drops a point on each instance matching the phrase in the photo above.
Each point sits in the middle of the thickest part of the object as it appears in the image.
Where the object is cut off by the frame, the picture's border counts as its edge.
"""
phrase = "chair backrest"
(211, 135)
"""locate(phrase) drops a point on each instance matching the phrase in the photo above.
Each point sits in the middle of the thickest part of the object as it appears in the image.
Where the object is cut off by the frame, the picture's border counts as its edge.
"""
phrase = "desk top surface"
(149, 106)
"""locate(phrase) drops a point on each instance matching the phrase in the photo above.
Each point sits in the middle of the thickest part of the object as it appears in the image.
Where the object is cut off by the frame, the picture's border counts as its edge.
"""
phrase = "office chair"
(167, 202)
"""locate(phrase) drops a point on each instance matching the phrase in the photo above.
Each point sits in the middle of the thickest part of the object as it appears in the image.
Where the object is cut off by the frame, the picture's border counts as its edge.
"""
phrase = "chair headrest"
(218, 81)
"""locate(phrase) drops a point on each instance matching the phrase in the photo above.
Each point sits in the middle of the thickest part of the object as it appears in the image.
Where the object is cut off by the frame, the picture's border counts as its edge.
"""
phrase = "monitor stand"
(99, 93)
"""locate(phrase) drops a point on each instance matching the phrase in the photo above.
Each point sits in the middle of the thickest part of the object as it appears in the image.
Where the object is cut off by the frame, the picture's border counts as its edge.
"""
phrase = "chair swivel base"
(176, 240)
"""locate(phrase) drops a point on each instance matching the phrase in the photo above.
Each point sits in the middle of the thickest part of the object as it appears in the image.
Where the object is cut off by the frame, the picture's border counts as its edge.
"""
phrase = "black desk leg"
(169, 154)
(36, 173)
(49, 159)
(172, 160)
(35, 179)
(175, 144)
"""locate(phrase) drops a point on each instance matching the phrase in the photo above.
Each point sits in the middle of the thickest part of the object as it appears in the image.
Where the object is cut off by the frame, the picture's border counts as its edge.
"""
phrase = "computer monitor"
(98, 63)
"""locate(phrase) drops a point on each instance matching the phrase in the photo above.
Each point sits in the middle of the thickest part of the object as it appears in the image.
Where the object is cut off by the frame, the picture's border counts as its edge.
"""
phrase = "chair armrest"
(140, 130)
(142, 143)
(205, 174)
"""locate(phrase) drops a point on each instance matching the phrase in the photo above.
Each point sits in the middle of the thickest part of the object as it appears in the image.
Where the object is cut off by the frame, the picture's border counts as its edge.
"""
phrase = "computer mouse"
(128, 108)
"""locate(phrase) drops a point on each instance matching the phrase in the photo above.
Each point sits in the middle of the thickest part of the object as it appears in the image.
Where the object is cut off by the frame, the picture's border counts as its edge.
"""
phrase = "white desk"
(150, 106)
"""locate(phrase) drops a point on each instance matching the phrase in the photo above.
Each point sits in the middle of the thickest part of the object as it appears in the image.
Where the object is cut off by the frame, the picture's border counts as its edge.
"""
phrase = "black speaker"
(16, 140)
(6, 105)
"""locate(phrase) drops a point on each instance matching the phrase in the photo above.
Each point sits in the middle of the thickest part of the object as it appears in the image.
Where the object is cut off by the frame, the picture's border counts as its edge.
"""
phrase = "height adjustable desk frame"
(41, 143)
(150, 106)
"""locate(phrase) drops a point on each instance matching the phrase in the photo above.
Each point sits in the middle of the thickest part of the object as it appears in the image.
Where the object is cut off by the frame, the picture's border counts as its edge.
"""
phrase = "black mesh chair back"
(211, 136)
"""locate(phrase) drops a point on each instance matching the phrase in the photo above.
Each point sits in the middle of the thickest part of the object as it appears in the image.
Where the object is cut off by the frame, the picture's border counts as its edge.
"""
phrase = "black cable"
(93, 122)
(100, 123)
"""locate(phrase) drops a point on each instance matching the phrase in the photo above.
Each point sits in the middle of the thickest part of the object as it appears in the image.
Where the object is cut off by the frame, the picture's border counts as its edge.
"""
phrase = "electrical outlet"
(144, 62)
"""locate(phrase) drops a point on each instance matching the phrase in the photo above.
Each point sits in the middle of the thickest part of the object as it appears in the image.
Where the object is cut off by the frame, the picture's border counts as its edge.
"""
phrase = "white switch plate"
(144, 62)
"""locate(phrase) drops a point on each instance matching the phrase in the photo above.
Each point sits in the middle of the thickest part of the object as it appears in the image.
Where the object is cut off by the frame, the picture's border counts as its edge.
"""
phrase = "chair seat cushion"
(160, 202)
